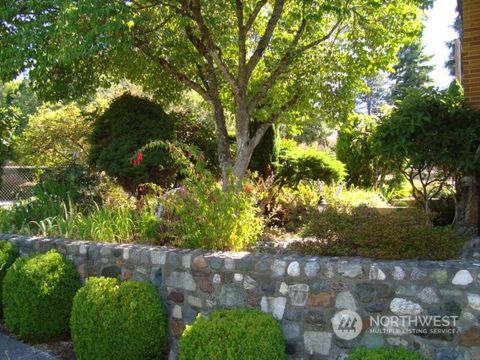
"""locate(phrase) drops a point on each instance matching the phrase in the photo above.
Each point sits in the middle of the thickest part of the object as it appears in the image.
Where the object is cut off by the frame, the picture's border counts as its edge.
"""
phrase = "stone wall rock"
(303, 293)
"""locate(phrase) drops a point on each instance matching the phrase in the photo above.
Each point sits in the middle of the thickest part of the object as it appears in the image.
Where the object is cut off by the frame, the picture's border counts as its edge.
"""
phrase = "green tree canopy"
(257, 59)
(431, 137)
(412, 72)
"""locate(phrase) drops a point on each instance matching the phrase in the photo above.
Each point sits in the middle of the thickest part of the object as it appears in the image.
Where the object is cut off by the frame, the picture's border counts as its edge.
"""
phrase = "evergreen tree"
(374, 96)
(457, 26)
(412, 70)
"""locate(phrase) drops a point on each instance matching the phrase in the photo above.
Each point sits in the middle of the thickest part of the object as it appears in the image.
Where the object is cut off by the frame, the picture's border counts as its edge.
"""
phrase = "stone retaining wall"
(302, 292)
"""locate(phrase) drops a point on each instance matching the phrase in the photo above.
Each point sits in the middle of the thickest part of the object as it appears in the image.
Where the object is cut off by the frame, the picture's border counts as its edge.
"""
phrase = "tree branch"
(262, 129)
(266, 37)
(242, 49)
(251, 19)
(279, 70)
(322, 39)
(212, 48)
(171, 69)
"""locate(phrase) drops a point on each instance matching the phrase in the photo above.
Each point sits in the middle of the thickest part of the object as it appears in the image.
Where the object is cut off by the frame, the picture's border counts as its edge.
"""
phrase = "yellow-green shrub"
(238, 334)
(118, 321)
(202, 215)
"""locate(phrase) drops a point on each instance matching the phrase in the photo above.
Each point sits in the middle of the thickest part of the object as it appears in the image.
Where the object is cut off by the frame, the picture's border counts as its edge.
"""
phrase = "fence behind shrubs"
(17, 182)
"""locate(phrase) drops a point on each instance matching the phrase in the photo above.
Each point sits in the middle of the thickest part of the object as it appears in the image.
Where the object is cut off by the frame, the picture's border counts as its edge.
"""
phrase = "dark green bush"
(403, 234)
(76, 183)
(297, 163)
(201, 134)
(118, 321)
(233, 334)
(384, 354)
(37, 296)
(265, 156)
(126, 126)
(358, 148)
(8, 254)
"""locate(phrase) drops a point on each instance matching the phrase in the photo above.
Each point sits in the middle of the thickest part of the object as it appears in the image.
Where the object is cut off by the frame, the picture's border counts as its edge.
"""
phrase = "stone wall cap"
(470, 264)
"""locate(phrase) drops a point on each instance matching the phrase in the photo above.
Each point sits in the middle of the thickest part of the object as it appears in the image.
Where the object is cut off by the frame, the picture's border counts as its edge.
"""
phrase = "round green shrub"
(37, 296)
(126, 126)
(8, 254)
(297, 164)
(118, 321)
(384, 354)
(233, 334)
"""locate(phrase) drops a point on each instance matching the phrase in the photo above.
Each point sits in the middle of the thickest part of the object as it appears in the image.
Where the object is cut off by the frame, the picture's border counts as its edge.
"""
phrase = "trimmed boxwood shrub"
(37, 296)
(233, 334)
(297, 164)
(384, 354)
(8, 254)
(118, 321)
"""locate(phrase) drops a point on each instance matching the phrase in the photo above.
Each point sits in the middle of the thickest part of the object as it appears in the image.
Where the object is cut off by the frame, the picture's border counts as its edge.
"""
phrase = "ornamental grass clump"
(118, 321)
(240, 334)
(38, 293)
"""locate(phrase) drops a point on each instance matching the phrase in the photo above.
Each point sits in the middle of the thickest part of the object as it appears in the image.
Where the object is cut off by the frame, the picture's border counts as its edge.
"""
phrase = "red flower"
(137, 158)
(248, 188)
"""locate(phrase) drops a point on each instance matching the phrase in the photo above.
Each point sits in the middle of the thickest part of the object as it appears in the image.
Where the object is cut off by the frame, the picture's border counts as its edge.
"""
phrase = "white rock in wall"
(428, 295)
(274, 306)
(474, 301)
(376, 273)
(462, 277)
(345, 300)
(283, 289)
(398, 273)
(405, 307)
(293, 269)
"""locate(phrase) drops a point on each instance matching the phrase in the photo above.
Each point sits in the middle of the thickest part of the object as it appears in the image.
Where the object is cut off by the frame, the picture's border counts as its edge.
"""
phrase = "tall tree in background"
(457, 26)
(375, 94)
(255, 59)
(412, 70)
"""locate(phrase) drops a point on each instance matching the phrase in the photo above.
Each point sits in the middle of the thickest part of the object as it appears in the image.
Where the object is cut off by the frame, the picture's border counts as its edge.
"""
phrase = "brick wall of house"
(471, 50)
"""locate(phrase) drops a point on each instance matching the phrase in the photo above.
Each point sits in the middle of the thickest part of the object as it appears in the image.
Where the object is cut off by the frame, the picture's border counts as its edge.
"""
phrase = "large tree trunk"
(223, 146)
(467, 211)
